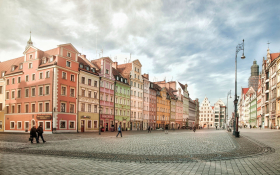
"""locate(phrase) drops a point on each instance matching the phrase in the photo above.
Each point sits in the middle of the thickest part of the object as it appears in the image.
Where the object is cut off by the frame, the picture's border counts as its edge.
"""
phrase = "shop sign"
(86, 117)
(44, 117)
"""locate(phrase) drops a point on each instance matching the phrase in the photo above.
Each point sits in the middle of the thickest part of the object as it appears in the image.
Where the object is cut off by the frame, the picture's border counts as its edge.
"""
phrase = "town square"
(139, 87)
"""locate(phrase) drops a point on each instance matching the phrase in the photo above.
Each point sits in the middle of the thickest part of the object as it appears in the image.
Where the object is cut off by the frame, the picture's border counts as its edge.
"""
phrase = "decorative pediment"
(30, 49)
(137, 62)
(69, 46)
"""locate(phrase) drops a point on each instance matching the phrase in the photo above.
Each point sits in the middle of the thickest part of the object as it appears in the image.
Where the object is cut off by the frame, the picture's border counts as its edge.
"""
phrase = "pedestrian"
(149, 129)
(33, 134)
(194, 128)
(250, 126)
(119, 131)
(178, 127)
(166, 129)
(216, 127)
(260, 127)
(40, 133)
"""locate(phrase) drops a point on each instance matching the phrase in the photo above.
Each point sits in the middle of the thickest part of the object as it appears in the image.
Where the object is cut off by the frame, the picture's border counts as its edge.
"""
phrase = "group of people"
(36, 133)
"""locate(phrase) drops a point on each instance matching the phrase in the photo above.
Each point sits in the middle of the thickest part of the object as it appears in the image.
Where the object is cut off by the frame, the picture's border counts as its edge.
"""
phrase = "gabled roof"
(182, 86)
(125, 70)
(244, 90)
(169, 91)
(7, 65)
(69, 44)
(81, 60)
(274, 55)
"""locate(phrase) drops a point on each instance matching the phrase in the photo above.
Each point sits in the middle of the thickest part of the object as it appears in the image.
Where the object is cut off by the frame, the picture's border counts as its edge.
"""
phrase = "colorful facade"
(152, 105)
(206, 116)
(107, 116)
(2, 98)
(88, 97)
(122, 100)
(146, 101)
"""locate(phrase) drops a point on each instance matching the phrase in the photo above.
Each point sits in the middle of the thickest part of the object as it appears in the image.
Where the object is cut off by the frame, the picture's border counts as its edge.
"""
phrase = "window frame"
(46, 125)
(64, 125)
(20, 124)
(11, 125)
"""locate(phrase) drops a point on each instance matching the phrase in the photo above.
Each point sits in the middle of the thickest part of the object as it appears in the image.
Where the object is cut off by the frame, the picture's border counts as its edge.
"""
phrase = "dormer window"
(117, 77)
(121, 79)
(20, 66)
(30, 56)
(13, 68)
(87, 68)
(81, 66)
(51, 59)
(69, 54)
(93, 70)
(44, 60)
(3, 74)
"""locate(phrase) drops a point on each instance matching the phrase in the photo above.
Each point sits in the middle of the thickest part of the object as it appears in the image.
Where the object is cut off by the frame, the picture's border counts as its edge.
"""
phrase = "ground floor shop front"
(137, 125)
(125, 124)
(107, 122)
(1, 121)
(88, 122)
(24, 122)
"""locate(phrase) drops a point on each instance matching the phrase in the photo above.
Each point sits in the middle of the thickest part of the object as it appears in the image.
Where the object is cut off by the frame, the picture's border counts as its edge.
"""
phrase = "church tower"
(254, 78)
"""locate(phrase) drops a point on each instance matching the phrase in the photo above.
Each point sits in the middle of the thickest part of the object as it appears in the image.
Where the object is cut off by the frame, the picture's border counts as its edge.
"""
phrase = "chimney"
(115, 65)
(146, 76)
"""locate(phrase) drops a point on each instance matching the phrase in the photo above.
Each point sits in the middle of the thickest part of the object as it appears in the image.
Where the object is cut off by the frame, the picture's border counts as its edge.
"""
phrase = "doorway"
(82, 126)
(124, 126)
(106, 126)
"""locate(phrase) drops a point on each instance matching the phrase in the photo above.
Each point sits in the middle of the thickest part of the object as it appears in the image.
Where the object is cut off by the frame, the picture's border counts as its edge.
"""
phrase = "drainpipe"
(52, 97)
(78, 94)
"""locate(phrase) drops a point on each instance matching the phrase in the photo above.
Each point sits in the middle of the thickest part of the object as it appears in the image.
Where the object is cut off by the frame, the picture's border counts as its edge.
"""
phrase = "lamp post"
(100, 112)
(229, 94)
(238, 48)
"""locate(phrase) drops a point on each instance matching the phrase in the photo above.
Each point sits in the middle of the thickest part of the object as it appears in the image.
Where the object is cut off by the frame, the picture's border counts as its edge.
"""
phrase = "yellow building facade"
(163, 108)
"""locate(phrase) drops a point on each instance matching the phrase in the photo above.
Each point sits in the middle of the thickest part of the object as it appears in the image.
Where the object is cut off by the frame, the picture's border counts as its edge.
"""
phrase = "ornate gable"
(137, 62)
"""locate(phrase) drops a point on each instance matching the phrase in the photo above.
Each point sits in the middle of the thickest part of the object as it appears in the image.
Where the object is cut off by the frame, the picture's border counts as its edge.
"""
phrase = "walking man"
(33, 134)
(40, 133)
(216, 127)
(166, 129)
(149, 129)
(119, 130)
(260, 127)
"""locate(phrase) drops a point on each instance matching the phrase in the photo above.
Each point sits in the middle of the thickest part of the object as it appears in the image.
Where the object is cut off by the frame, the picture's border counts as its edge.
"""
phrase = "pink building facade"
(107, 117)
(152, 106)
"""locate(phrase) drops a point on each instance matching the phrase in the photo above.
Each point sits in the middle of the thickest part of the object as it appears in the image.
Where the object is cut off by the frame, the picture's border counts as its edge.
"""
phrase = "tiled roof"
(244, 90)
(274, 55)
(125, 70)
(182, 86)
(81, 60)
(169, 91)
(7, 65)
(97, 63)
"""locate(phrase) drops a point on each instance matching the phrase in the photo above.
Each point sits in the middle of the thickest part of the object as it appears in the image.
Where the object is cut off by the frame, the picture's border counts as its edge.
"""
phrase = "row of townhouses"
(63, 91)
(259, 104)
(212, 116)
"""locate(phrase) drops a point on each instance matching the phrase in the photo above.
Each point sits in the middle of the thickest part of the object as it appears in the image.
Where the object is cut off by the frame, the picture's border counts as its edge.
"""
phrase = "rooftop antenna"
(268, 43)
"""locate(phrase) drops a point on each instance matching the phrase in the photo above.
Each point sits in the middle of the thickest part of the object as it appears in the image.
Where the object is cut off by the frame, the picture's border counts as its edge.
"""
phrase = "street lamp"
(229, 94)
(100, 112)
(238, 48)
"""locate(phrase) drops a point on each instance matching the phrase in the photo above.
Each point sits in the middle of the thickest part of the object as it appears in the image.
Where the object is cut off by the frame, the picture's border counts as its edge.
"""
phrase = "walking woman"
(194, 129)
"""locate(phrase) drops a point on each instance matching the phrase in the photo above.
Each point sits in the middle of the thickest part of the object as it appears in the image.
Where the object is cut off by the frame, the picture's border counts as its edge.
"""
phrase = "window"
(13, 109)
(95, 124)
(30, 56)
(95, 94)
(13, 80)
(89, 82)
(26, 92)
(89, 94)
(95, 108)
(18, 108)
(89, 123)
(19, 79)
(7, 109)
(72, 92)
(32, 107)
(83, 80)
(48, 74)
(26, 78)
(71, 125)
(47, 107)
(72, 78)
(8, 81)
(89, 107)
(33, 77)
(26, 108)
(41, 124)
(13, 94)
(64, 75)
(62, 124)
(40, 90)
(63, 90)
(107, 71)
(1, 106)
(83, 107)
(68, 54)
(106, 98)
(95, 83)
(68, 63)
(20, 66)
(63, 105)
(47, 92)
(12, 125)
(40, 107)
(30, 65)
(19, 125)
(72, 108)
(41, 75)
(48, 125)
(83, 92)
(33, 92)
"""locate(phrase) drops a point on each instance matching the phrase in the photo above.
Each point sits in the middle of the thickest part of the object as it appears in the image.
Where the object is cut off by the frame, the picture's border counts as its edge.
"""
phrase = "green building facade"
(253, 111)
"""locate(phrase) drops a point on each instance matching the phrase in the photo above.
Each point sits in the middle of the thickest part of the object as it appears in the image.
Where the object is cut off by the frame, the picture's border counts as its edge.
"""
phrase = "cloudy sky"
(193, 42)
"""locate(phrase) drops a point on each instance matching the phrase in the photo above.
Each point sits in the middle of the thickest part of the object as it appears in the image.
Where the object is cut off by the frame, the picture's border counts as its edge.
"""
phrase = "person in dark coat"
(33, 134)
(166, 129)
(119, 131)
(40, 133)
(149, 129)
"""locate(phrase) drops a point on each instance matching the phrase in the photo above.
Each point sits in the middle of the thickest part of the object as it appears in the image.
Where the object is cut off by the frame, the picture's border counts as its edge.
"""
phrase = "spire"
(29, 42)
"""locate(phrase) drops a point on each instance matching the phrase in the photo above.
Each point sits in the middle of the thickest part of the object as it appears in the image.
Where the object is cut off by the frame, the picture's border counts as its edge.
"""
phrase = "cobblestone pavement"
(206, 151)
